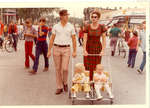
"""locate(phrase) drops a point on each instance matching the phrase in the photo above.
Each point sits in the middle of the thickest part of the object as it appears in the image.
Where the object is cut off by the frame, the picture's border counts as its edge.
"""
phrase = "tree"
(34, 13)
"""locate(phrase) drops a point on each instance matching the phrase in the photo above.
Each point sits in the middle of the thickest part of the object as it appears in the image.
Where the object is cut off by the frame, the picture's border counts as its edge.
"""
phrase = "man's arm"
(74, 45)
(52, 38)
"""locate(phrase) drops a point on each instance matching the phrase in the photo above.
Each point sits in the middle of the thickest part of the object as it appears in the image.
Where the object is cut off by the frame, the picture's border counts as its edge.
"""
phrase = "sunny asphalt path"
(18, 87)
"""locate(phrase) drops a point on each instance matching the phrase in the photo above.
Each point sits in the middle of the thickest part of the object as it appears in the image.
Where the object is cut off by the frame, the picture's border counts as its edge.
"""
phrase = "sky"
(74, 7)
(77, 9)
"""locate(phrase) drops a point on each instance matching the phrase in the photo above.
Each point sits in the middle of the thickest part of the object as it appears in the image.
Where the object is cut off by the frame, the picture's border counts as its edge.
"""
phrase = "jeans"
(15, 39)
(28, 52)
(143, 61)
(41, 48)
(132, 57)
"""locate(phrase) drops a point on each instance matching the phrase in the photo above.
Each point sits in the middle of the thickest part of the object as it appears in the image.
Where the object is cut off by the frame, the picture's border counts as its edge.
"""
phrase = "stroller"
(92, 94)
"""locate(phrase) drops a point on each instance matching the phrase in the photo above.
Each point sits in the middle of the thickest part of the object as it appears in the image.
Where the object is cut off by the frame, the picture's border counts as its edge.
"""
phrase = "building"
(8, 15)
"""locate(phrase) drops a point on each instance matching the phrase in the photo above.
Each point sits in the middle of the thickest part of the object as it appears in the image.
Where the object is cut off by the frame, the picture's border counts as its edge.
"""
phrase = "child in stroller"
(101, 80)
(80, 80)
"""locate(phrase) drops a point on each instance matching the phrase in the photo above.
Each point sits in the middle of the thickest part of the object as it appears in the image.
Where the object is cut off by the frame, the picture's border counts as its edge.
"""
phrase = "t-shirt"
(63, 34)
(100, 76)
(114, 32)
(30, 31)
(132, 42)
(142, 37)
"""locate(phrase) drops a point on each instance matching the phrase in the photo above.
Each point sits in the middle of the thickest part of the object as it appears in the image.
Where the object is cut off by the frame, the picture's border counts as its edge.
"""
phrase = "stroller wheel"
(111, 102)
(69, 95)
(73, 103)
(92, 102)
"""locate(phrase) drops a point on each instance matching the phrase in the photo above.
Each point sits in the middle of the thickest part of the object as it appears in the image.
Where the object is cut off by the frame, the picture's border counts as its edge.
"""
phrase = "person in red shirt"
(1, 32)
(12, 31)
(133, 47)
(127, 35)
(81, 34)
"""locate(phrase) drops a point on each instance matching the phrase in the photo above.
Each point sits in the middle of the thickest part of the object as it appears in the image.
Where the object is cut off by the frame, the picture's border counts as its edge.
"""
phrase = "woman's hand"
(85, 53)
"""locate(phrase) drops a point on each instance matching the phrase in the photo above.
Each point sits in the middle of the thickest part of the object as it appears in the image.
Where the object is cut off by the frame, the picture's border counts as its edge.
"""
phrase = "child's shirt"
(44, 29)
(100, 76)
(30, 31)
(80, 78)
(133, 42)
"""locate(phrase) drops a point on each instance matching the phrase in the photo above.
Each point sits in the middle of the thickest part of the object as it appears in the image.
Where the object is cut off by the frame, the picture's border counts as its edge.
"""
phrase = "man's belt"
(61, 45)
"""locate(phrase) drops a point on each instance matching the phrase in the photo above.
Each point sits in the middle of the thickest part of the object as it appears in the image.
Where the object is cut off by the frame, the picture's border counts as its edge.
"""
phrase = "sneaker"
(87, 96)
(139, 70)
(74, 95)
(111, 96)
(99, 97)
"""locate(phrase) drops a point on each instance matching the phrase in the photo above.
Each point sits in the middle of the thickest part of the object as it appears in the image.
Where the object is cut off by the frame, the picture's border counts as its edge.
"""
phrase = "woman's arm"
(103, 42)
(84, 44)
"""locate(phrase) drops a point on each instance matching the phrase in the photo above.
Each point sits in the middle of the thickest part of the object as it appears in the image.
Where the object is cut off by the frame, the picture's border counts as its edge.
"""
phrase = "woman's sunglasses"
(94, 17)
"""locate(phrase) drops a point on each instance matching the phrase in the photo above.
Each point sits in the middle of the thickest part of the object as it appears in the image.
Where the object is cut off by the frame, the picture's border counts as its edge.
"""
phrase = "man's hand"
(41, 33)
(49, 54)
(102, 53)
(74, 54)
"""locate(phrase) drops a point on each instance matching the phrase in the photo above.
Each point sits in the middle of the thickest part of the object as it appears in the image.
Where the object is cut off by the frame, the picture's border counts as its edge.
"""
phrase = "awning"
(113, 22)
(136, 21)
(9, 14)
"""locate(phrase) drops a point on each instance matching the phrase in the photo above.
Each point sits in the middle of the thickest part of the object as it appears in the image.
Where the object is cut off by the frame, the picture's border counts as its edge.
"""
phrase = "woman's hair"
(97, 13)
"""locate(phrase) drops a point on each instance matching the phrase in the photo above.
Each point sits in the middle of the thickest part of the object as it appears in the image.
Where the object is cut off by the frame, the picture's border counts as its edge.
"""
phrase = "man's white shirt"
(63, 34)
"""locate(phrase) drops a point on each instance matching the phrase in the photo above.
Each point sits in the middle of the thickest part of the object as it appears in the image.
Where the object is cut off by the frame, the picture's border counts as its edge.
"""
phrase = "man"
(1, 32)
(41, 46)
(114, 34)
(12, 31)
(62, 34)
(142, 43)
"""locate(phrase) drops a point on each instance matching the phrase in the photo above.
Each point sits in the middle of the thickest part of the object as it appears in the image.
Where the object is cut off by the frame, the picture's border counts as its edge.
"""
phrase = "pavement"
(18, 87)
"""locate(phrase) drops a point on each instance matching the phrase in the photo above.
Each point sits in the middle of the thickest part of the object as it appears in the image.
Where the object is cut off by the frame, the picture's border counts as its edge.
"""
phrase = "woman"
(92, 45)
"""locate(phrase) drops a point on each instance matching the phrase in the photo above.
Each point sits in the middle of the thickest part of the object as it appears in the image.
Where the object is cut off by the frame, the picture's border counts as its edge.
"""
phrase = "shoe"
(66, 88)
(26, 67)
(15, 49)
(87, 96)
(32, 71)
(58, 91)
(45, 69)
(99, 97)
(139, 70)
(74, 95)
(112, 53)
(111, 96)
(128, 65)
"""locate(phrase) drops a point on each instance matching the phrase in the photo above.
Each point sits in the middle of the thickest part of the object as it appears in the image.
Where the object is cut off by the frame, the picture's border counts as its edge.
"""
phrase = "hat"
(63, 12)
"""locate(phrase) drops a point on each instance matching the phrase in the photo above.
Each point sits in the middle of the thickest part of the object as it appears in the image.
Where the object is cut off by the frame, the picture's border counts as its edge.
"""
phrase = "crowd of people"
(63, 34)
